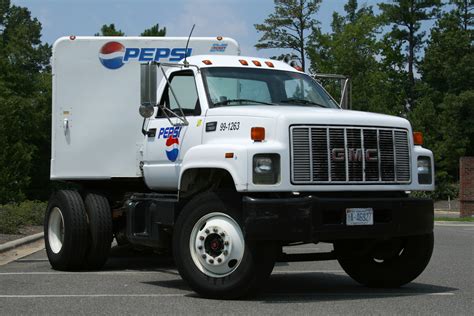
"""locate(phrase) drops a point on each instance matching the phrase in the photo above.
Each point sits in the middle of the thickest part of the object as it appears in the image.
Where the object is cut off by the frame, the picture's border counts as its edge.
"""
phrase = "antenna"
(185, 62)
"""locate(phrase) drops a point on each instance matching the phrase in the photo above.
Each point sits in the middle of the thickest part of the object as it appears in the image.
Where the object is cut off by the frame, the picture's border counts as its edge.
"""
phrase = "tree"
(154, 31)
(109, 30)
(447, 77)
(405, 17)
(24, 105)
(351, 49)
(288, 26)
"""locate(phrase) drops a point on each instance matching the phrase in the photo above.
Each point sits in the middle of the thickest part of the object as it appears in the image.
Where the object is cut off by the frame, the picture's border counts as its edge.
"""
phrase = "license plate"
(359, 216)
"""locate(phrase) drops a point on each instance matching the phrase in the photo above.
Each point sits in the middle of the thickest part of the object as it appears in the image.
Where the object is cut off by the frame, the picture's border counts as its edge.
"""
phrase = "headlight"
(424, 170)
(266, 168)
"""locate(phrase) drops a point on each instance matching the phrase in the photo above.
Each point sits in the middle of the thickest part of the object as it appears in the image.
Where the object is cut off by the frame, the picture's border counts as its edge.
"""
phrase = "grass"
(15, 216)
(455, 219)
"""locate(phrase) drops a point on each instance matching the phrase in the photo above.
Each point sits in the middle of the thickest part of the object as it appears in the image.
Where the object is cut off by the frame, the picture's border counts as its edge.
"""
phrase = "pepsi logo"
(111, 55)
(172, 148)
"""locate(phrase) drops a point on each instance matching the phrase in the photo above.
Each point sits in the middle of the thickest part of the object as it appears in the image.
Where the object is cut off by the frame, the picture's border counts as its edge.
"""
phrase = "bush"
(15, 216)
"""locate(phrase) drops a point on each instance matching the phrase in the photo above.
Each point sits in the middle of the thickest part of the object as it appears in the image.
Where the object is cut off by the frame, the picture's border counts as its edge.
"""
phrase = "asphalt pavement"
(144, 283)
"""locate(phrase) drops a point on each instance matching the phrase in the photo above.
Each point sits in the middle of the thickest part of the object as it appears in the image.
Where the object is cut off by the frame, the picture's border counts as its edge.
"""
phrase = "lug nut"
(215, 230)
(201, 237)
(226, 243)
(219, 260)
(204, 256)
(207, 231)
(211, 261)
(225, 252)
(200, 247)
(222, 234)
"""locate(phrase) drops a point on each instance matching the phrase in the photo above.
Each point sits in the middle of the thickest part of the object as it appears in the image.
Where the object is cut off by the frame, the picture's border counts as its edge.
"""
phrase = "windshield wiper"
(241, 101)
(302, 101)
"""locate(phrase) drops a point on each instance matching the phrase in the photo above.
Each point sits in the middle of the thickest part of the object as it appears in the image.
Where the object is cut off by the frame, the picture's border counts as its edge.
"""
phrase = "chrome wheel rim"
(56, 230)
(217, 244)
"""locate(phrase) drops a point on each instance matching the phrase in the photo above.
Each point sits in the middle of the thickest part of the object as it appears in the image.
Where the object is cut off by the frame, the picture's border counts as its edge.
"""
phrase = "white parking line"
(92, 273)
(91, 295)
(288, 295)
(307, 271)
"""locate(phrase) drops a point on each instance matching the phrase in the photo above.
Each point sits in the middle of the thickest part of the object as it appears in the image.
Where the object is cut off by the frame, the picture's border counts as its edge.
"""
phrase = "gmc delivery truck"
(227, 159)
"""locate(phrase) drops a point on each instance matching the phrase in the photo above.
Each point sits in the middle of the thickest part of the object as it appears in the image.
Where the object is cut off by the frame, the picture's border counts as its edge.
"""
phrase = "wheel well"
(194, 181)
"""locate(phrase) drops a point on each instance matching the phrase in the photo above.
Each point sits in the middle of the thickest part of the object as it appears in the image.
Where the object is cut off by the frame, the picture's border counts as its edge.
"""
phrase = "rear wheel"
(391, 263)
(211, 253)
(66, 230)
(100, 229)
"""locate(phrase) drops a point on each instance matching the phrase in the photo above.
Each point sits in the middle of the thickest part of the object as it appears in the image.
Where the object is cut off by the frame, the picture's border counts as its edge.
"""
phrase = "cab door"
(166, 143)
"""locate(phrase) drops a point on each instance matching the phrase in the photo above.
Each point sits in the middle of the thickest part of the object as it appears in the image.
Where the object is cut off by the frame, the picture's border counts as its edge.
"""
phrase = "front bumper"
(313, 219)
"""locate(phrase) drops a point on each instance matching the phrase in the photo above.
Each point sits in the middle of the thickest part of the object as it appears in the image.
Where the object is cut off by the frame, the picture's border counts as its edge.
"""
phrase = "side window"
(184, 88)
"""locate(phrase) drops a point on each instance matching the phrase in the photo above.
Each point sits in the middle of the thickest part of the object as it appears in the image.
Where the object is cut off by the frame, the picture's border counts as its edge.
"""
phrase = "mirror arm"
(183, 119)
(144, 131)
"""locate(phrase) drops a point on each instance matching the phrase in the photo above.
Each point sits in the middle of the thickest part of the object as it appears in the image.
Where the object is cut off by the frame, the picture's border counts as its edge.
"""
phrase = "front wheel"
(386, 264)
(211, 253)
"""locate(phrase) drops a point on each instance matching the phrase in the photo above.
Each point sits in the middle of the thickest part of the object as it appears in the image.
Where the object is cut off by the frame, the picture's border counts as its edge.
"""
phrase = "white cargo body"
(96, 94)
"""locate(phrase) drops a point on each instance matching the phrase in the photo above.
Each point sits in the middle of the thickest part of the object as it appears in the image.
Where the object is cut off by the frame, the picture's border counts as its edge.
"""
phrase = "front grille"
(338, 154)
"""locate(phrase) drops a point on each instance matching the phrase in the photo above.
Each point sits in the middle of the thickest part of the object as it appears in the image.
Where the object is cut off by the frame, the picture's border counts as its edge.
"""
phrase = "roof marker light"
(269, 64)
(243, 62)
(298, 68)
(257, 63)
(207, 62)
(219, 38)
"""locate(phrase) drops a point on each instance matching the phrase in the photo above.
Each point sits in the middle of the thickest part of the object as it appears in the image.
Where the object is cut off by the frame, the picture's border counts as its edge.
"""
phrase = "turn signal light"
(243, 62)
(207, 62)
(257, 134)
(418, 138)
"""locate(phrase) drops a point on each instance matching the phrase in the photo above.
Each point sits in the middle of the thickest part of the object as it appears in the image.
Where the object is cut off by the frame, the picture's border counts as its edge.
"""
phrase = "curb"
(20, 242)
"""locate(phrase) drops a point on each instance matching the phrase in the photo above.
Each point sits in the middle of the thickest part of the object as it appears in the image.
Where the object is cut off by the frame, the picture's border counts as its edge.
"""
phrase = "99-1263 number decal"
(229, 126)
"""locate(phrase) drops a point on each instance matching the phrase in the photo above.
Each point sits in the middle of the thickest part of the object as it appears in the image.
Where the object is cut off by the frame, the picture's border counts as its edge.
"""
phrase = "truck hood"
(311, 115)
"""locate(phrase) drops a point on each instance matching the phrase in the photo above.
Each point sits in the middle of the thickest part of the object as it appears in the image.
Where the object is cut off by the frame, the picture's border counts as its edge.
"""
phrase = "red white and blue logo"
(172, 148)
(111, 55)
(114, 55)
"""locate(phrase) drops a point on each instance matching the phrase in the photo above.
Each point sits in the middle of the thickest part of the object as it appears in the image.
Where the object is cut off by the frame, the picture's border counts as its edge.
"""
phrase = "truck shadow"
(319, 286)
(280, 288)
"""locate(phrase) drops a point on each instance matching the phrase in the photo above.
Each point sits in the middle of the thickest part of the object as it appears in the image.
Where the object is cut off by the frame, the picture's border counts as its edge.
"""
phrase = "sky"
(230, 18)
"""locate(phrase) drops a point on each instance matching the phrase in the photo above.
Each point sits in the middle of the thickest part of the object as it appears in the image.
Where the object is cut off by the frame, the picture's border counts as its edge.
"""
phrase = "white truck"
(232, 158)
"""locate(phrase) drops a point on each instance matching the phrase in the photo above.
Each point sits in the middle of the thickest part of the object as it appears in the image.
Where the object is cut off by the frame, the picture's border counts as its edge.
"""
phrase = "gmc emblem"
(355, 154)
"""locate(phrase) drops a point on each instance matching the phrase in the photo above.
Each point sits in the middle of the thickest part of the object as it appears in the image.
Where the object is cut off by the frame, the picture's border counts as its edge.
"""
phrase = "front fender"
(213, 156)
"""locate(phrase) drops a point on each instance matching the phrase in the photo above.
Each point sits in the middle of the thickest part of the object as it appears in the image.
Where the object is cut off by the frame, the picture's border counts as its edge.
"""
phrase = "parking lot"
(144, 283)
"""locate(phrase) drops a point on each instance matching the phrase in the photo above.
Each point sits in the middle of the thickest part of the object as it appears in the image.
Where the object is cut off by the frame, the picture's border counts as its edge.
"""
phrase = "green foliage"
(288, 25)
(405, 17)
(154, 31)
(109, 30)
(25, 92)
(15, 216)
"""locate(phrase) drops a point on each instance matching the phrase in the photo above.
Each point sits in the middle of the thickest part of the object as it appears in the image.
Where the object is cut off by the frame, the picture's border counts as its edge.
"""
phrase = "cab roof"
(205, 61)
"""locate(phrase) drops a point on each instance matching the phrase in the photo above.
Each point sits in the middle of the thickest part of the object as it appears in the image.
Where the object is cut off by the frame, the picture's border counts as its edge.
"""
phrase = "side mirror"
(148, 87)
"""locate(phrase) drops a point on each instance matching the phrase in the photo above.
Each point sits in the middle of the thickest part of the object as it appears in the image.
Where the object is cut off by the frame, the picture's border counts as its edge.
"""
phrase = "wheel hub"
(56, 230)
(217, 244)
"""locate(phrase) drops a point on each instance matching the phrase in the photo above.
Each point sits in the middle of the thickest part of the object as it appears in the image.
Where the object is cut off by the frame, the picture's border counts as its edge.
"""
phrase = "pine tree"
(154, 31)
(288, 26)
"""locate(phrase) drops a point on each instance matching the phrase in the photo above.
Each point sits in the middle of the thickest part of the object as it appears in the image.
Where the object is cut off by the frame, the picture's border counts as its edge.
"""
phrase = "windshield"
(230, 86)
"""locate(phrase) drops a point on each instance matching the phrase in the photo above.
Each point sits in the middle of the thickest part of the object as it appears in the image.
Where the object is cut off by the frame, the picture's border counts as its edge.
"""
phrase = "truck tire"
(65, 230)
(387, 264)
(211, 253)
(100, 230)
